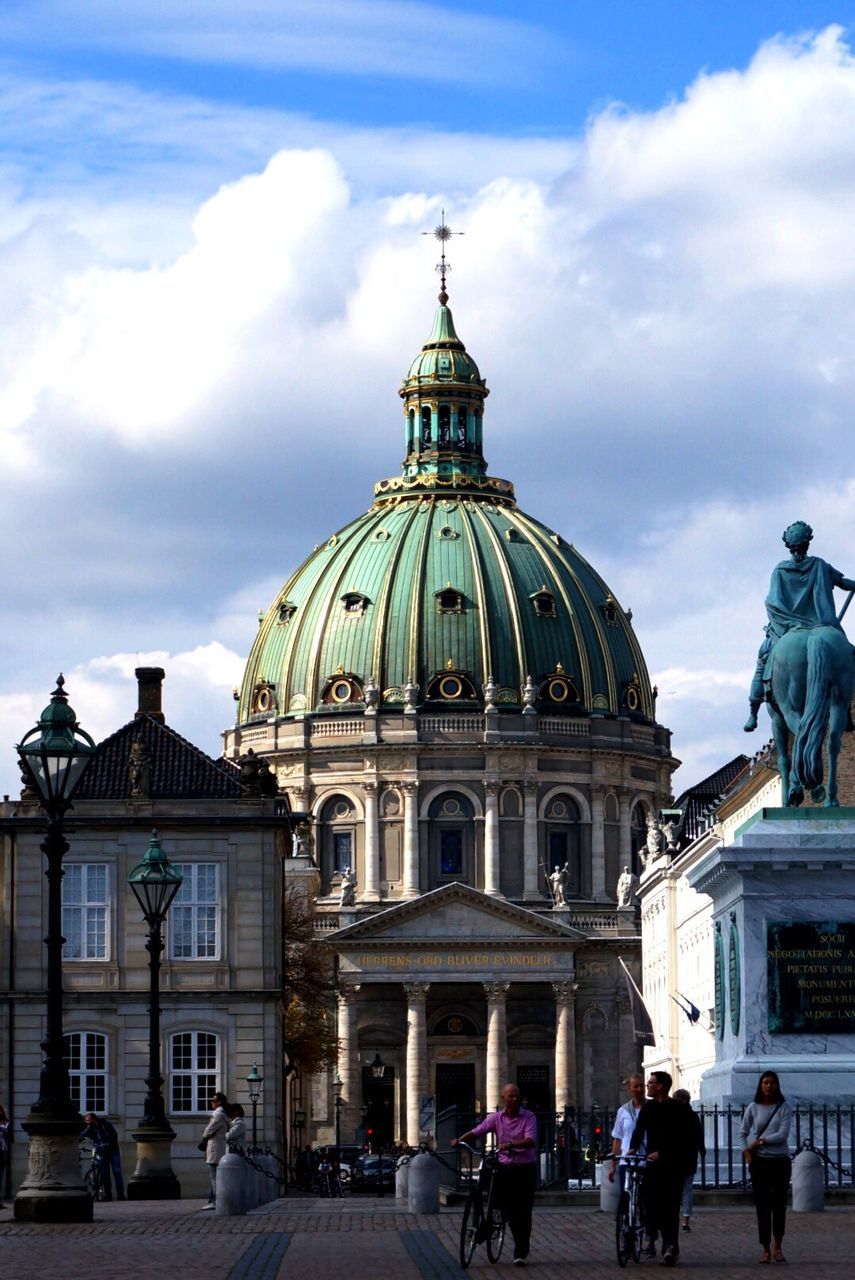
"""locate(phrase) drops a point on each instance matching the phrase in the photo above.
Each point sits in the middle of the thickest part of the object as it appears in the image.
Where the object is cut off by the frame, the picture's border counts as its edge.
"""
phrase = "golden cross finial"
(442, 233)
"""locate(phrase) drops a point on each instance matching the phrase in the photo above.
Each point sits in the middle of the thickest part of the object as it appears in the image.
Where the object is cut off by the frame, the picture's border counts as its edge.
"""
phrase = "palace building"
(460, 703)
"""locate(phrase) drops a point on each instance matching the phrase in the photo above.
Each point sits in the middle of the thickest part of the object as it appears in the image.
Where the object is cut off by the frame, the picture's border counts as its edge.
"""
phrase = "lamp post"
(155, 882)
(254, 1082)
(378, 1072)
(53, 757)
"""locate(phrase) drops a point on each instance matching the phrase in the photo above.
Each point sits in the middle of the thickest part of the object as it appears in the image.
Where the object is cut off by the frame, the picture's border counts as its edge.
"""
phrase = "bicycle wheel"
(637, 1225)
(470, 1229)
(495, 1233)
(623, 1239)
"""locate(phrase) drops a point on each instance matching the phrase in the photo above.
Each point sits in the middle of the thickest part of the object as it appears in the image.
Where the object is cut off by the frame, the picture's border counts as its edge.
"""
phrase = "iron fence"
(573, 1145)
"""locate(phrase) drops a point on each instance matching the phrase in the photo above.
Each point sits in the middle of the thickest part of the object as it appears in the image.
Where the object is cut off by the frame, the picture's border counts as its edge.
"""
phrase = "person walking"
(515, 1128)
(105, 1140)
(214, 1140)
(765, 1134)
(687, 1200)
(668, 1131)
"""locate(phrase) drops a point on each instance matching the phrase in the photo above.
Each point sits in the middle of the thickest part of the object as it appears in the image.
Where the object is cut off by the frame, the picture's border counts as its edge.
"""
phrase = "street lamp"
(155, 882)
(254, 1082)
(53, 758)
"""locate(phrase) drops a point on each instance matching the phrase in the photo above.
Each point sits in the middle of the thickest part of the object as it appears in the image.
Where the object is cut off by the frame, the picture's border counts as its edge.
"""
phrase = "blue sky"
(210, 222)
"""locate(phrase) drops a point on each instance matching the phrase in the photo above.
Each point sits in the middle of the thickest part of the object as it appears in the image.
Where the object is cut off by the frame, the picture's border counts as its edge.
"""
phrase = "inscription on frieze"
(456, 960)
(811, 972)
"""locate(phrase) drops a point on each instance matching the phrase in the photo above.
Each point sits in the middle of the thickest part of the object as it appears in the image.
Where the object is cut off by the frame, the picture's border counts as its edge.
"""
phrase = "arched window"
(426, 425)
(411, 429)
(194, 1071)
(452, 839)
(338, 839)
(462, 423)
(444, 426)
(564, 841)
(638, 834)
(86, 1060)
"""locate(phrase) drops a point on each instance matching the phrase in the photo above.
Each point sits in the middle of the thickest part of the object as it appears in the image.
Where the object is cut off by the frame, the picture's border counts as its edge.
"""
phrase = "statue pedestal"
(784, 937)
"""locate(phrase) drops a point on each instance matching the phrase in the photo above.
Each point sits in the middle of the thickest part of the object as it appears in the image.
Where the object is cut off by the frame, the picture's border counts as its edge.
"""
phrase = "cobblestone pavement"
(360, 1239)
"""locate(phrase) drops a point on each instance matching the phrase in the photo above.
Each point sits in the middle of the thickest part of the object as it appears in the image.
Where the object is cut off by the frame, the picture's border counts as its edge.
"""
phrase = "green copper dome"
(446, 585)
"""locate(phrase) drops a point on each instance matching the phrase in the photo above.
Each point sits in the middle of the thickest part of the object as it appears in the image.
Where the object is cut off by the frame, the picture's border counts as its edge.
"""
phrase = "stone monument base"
(784, 934)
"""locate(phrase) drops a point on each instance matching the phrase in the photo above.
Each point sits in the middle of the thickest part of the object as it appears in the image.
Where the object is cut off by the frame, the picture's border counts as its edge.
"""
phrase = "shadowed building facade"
(459, 701)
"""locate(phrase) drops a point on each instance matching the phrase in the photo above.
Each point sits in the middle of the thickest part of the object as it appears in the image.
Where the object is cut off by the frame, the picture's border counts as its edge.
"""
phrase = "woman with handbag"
(765, 1133)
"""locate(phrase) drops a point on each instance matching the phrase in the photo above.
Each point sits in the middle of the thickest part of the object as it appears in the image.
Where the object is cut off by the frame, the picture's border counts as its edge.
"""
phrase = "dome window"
(447, 534)
(609, 610)
(263, 698)
(543, 602)
(451, 686)
(560, 689)
(426, 424)
(382, 535)
(450, 600)
(342, 689)
(632, 696)
(354, 603)
(286, 612)
(443, 365)
(514, 535)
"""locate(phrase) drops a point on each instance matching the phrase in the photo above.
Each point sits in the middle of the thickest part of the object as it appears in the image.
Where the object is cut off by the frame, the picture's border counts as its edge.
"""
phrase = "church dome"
(444, 593)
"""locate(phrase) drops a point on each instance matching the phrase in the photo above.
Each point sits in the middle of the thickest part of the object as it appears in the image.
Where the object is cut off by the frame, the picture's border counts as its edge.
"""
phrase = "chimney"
(149, 681)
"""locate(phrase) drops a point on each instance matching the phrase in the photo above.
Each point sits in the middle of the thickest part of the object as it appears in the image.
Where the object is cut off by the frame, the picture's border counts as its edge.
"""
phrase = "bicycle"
(629, 1223)
(95, 1178)
(483, 1218)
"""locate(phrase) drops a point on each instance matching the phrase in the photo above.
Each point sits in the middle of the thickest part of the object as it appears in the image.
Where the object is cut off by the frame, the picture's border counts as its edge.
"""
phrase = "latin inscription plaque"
(811, 971)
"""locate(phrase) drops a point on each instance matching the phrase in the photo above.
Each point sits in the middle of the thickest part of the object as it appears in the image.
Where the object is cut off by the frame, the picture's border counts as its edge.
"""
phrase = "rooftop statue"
(805, 669)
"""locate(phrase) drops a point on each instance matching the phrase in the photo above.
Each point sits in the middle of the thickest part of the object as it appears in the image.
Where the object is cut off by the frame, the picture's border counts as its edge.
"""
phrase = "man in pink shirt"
(516, 1140)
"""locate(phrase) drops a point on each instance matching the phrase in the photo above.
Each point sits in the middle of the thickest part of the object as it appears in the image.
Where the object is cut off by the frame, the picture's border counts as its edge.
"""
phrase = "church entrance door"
(455, 1087)
(378, 1096)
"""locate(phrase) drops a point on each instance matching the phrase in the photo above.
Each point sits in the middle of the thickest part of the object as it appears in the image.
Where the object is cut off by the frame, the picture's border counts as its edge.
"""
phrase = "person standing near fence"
(688, 1197)
(516, 1141)
(668, 1130)
(765, 1135)
(214, 1141)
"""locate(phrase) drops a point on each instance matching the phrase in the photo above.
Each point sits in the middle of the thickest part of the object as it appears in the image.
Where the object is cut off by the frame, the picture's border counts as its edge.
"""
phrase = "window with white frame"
(85, 907)
(194, 916)
(86, 1060)
(193, 1062)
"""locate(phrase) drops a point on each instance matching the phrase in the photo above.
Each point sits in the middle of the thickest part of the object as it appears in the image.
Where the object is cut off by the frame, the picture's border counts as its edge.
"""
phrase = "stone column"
(531, 878)
(371, 885)
(417, 1071)
(411, 839)
(565, 1045)
(497, 1041)
(598, 844)
(491, 838)
(625, 800)
(348, 1062)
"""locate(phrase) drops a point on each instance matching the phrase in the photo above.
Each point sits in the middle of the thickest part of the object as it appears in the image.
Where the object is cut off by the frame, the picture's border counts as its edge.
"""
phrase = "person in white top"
(625, 1122)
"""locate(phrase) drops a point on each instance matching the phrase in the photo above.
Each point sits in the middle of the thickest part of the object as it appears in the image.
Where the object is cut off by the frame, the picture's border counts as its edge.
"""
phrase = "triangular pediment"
(460, 912)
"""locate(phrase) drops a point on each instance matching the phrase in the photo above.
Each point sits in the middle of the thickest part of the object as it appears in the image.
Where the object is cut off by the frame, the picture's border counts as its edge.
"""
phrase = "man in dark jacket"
(105, 1140)
(669, 1131)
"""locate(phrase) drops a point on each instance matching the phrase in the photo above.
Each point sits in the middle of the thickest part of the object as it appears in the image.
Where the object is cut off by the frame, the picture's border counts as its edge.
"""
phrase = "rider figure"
(801, 594)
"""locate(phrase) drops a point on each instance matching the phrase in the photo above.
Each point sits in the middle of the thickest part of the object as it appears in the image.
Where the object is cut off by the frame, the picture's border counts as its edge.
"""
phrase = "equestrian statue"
(805, 670)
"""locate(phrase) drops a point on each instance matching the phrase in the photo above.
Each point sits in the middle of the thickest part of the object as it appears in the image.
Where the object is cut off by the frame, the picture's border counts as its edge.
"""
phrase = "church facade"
(459, 703)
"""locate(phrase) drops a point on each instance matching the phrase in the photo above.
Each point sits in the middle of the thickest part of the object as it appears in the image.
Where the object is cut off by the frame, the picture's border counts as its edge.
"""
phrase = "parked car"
(366, 1173)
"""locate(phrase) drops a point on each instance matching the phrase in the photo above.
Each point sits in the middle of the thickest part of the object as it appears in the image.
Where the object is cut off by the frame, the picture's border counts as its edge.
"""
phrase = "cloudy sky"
(212, 279)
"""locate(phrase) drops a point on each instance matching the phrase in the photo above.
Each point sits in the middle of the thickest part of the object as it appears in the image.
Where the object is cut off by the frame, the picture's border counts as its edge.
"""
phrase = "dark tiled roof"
(179, 771)
(697, 802)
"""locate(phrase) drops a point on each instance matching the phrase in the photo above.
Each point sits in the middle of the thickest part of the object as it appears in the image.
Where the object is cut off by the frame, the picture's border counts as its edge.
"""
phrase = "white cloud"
(668, 331)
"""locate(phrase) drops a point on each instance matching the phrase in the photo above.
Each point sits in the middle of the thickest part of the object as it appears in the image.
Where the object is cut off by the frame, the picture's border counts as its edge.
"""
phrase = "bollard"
(231, 1186)
(609, 1191)
(424, 1184)
(402, 1180)
(271, 1186)
(808, 1183)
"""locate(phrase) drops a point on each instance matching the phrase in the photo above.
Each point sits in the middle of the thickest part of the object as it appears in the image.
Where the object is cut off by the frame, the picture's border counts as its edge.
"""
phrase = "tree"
(308, 987)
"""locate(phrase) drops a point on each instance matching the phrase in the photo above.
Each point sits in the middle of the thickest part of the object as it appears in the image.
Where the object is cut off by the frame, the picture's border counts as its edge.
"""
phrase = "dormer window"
(543, 602)
(354, 603)
(341, 689)
(286, 612)
(560, 689)
(443, 366)
(451, 686)
(450, 600)
(609, 610)
(632, 695)
(263, 698)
